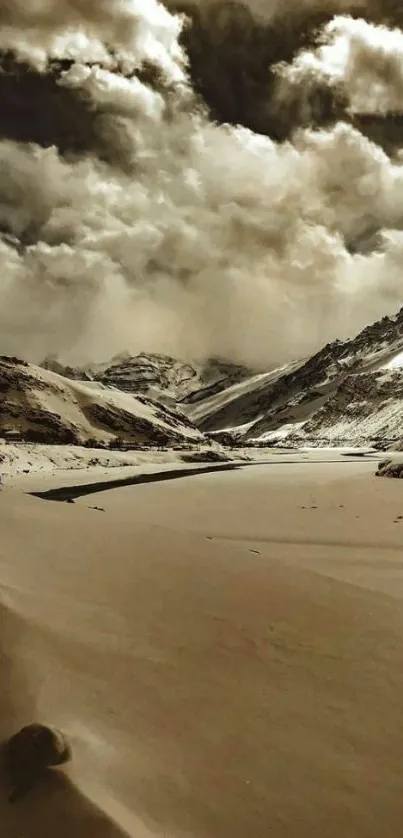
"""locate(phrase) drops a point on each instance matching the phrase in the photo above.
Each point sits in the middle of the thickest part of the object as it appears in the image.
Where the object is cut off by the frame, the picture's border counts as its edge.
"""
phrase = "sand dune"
(208, 690)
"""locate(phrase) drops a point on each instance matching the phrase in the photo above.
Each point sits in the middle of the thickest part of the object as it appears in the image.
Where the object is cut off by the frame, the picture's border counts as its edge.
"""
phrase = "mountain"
(367, 408)
(347, 393)
(42, 406)
(237, 406)
(215, 376)
(160, 377)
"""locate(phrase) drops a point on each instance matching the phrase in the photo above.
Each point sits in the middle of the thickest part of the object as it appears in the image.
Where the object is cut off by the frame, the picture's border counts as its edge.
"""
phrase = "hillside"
(235, 406)
(43, 406)
(157, 376)
(349, 392)
(160, 377)
(365, 409)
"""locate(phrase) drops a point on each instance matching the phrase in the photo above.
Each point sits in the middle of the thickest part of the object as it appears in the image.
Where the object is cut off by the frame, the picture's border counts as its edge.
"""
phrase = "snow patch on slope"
(44, 406)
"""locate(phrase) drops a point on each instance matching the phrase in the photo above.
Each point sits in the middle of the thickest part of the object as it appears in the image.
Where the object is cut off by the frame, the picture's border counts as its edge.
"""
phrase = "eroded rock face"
(30, 752)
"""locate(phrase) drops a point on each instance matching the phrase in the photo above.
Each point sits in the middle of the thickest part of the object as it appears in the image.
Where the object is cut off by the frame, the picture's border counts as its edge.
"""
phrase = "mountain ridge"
(348, 393)
(39, 405)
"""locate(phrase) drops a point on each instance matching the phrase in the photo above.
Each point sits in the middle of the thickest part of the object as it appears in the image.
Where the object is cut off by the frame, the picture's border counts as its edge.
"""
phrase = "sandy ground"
(224, 652)
(24, 462)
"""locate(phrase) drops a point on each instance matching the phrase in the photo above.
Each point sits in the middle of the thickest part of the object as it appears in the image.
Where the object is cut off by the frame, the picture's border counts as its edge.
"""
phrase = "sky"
(200, 180)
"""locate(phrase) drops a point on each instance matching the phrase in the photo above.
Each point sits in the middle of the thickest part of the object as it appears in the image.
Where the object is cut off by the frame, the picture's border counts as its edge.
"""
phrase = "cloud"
(189, 237)
(363, 60)
(86, 29)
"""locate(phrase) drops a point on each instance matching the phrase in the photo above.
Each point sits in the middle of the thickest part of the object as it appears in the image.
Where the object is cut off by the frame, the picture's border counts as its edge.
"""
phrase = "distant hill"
(43, 406)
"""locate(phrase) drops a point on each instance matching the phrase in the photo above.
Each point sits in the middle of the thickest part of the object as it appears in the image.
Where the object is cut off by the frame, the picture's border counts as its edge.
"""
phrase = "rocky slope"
(157, 376)
(348, 393)
(366, 409)
(160, 377)
(43, 406)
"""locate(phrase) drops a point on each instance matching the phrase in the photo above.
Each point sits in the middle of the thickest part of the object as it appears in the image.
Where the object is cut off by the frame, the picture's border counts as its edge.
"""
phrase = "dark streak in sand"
(70, 493)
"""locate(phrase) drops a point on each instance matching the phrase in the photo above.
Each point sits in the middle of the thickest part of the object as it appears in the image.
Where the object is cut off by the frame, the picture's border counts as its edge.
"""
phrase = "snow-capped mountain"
(348, 393)
(42, 406)
(367, 408)
(160, 377)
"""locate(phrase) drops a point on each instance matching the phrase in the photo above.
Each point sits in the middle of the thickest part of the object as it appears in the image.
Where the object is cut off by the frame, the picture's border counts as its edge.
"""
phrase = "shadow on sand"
(72, 492)
(54, 806)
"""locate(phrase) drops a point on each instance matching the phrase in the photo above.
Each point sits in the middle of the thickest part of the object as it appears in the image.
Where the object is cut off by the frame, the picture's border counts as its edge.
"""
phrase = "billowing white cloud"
(214, 240)
(83, 29)
(363, 59)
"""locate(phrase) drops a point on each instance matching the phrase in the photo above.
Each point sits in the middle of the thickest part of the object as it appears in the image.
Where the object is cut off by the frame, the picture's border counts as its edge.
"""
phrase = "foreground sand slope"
(207, 691)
